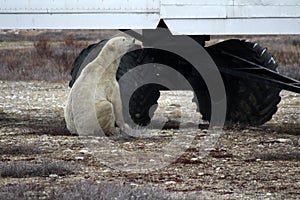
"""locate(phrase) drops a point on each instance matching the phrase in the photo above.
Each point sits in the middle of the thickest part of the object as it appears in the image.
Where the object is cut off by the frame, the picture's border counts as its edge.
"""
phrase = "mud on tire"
(248, 102)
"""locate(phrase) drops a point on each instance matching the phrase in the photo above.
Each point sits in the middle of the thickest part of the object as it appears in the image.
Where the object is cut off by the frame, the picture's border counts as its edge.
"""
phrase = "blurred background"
(49, 54)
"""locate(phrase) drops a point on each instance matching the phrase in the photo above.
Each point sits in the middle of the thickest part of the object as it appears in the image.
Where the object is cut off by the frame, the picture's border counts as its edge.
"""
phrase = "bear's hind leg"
(105, 115)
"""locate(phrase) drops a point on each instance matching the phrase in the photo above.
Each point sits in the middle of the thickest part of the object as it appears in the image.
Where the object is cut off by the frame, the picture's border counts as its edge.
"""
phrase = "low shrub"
(113, 190)
(24, 149)
(89, 190)
(25, 169)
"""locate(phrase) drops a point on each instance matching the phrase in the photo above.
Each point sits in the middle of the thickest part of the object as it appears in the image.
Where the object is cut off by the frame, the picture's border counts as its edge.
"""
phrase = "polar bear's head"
(120, 45)
(112, 52)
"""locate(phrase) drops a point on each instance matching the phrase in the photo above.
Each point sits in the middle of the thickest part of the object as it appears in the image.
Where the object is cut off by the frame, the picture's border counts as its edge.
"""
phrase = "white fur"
(97, 88)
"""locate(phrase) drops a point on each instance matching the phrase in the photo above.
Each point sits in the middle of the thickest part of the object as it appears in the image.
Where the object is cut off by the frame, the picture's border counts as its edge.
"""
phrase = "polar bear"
(97, 88)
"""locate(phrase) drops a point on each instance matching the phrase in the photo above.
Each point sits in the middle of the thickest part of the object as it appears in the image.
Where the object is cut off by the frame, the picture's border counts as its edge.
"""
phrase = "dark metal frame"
(259, 73)
(254, 71)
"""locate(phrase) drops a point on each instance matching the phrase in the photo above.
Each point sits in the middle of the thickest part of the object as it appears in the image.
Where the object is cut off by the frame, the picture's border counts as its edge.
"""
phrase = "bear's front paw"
(125, 128)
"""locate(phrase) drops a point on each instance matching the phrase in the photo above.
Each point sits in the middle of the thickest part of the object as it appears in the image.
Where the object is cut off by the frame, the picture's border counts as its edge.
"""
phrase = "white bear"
(95, 96)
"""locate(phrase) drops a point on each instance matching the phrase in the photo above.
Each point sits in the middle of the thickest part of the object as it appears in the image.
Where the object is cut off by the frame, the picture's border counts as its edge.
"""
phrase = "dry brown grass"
(46, 60)
(288, 59)
(51, 54)
(87, 190)
(25, 169)
(293, 156)
(24, 149)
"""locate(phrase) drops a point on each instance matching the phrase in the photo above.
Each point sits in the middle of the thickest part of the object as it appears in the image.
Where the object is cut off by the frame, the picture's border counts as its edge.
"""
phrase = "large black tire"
(143, 98)
(86, 56)
(248, 102)
(143, 102)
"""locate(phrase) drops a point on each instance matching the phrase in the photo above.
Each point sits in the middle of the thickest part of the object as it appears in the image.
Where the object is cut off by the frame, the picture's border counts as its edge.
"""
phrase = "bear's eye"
(123, 40)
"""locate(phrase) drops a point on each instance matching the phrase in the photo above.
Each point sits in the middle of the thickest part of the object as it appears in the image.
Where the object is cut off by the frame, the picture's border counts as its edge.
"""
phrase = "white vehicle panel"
(71, 6)
(231, 17)
(268, 26)
(213, 17)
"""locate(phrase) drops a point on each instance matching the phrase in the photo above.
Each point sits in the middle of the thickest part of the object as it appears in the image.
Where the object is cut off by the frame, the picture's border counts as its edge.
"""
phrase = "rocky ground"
(39, 159)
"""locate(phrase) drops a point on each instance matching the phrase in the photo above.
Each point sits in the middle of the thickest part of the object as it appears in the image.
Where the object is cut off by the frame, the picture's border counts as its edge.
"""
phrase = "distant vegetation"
(49, 55)
(44, 61)
(25, 169)
(42, 55)
(88, 190)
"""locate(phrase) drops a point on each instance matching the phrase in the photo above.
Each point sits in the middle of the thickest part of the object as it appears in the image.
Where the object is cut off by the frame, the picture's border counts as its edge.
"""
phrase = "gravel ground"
(252, 163)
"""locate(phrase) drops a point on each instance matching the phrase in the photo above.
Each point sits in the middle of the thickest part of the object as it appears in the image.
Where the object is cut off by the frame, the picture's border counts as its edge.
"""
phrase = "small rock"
(246, 131)
(170, 182)
(79, 158)
(222, 176)
(84, 151)
(68, 151)
(201, 174)
(53, 176)
(255, 128)
(283, 140)
(150, 144)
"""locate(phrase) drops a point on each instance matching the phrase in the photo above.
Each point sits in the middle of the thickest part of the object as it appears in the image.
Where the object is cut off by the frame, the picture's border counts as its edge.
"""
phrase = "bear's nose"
(133, 40)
